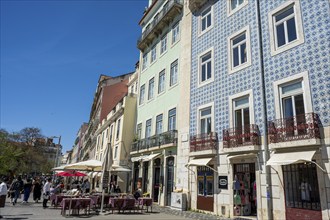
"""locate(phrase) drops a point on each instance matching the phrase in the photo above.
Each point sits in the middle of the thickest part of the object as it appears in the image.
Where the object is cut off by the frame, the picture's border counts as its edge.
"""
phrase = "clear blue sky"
(52, 54)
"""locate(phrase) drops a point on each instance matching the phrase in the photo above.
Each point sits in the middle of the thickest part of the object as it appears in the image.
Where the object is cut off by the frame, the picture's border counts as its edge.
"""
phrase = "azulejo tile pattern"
(312, 56)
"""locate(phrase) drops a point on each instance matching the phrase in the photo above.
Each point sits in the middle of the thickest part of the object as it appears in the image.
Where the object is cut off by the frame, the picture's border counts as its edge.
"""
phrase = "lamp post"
(57, 146)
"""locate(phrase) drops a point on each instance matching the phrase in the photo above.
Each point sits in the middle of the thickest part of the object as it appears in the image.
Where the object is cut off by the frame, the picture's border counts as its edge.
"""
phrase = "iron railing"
(300, 127)
(201, 142)
(241, 136)
(171, 4)
(169, 137)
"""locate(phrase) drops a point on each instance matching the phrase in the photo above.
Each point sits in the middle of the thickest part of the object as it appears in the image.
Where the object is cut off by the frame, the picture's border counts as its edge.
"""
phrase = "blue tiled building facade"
(259, 111)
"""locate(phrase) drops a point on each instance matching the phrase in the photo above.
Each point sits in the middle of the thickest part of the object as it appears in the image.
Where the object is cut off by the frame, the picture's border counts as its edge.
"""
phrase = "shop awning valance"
(150, 157)
(199, 162)
(241, 156)
(278, 159)
(135, 159)
(116, 168)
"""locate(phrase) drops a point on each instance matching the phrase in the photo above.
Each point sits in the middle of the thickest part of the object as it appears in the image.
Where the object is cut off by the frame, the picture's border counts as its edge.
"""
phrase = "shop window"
(301, 186)
(205, 181)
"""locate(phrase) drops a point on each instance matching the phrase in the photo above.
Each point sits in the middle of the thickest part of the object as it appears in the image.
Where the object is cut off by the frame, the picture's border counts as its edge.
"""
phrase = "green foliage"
(18, 154)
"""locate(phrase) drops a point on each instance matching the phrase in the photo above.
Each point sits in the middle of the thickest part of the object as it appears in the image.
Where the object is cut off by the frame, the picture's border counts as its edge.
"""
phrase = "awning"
(242, 156)
(278, 159)
(199, 162)
(150, 157)
(116, 168)
(135, 159)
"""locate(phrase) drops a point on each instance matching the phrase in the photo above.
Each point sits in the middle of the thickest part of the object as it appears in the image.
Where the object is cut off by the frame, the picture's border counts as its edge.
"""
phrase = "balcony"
(196, 4)
(165, 139)
(203, 144)
(244, 138)
(301, 130)
(164, 18)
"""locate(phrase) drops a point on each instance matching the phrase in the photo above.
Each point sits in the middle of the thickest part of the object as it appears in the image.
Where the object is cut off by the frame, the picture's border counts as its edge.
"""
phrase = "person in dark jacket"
(16, 188)
(37, 187)
(27, 190)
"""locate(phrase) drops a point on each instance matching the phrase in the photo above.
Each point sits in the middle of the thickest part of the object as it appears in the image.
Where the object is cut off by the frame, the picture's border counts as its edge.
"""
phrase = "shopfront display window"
(301, 186)
(205, 181)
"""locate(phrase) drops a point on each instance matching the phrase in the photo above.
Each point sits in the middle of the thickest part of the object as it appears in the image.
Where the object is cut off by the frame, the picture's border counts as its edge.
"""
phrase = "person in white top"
(46, 192)
(3, 193)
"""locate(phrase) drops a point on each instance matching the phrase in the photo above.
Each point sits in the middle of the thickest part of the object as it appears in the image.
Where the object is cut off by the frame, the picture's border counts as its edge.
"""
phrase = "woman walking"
(27, 190)
(36, 190)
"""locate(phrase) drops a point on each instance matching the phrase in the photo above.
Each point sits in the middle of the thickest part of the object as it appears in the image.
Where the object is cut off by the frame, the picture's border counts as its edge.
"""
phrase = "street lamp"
(57, 146)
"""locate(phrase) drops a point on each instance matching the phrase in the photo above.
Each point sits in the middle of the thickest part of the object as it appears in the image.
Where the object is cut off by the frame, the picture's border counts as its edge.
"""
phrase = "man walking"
(46, 193)
(3, 193)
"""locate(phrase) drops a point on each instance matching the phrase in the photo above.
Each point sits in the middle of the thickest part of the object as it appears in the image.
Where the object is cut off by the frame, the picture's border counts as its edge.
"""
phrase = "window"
(206, 20)
(145, 61)
(159, 124)
(142, 91)
(110, 133)
(301, 186)
(163, 44)
(175, 33)
(205, 67)
(285, 27)
(205, 181)
(242, 119)
(116, 152)
(153, 54)
(148, 128)
(172, 119)
(235, 5)
(151, 88)
(161, 82)
(205, 120)
(118, 129)
(293, 109)
(139, 131)
(239, 44)
(174, 73)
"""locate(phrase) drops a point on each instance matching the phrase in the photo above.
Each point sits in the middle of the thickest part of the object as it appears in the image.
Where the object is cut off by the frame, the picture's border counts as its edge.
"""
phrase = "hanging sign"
(223, 182)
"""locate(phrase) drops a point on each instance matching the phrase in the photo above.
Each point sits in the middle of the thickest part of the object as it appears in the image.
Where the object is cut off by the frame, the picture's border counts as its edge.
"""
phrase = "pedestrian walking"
(3, 193)
(46, 192)
(16, 188)
(37, 187)
(27, 190)
(87, 186)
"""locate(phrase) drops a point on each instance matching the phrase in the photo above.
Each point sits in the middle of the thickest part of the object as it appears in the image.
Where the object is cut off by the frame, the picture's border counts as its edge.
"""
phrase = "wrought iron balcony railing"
(170, 9)
(169, 137)
(201, 142)
(300, 127)
(241, 136)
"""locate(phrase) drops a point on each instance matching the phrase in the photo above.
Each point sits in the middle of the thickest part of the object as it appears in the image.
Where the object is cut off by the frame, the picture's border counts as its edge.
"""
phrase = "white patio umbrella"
(58, 168)
(88, 165)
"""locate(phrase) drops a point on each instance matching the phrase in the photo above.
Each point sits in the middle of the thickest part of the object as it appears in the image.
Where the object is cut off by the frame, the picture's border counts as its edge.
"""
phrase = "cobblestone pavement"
(34, 211)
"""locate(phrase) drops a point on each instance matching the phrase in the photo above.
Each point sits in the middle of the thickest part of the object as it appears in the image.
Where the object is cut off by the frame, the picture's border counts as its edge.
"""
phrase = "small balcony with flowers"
(240, 139)
(204, 144)
(161, 20)
(163, 140)
(297, 131)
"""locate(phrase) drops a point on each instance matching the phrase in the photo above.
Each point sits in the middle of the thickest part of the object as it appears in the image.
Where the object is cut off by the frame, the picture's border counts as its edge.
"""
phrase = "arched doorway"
(157, 177)
(170, 179)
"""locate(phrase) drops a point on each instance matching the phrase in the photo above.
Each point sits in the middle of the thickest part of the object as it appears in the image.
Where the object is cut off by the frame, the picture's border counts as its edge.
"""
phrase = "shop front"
(205, 197)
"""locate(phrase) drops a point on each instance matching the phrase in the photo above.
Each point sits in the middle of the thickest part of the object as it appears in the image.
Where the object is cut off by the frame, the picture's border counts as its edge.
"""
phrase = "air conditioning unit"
(179, 201)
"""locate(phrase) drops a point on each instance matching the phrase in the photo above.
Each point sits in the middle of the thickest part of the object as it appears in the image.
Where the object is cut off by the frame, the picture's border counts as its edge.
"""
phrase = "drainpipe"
(264, 109)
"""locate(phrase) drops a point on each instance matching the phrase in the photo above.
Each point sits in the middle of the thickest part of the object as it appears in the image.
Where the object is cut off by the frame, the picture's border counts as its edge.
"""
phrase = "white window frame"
(153, 54)
(162, 124)
(115, 153)
(175, 33)
(272, 31)
(168, 118)
(163, 44)
(118, 129)
(199, 109)
(144, 61)
(303, 76)
(145, 132)
(176, 73)
(231, 68)
(164, 82)
(231, 11)
(151, 91)
(142, 96)
(200, 19)
(237, 96)
(200, 56)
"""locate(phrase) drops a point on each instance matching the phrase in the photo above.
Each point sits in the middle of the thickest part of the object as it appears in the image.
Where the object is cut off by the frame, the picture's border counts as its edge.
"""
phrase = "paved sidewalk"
(34, 211)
